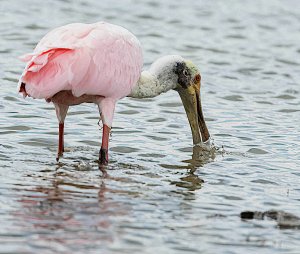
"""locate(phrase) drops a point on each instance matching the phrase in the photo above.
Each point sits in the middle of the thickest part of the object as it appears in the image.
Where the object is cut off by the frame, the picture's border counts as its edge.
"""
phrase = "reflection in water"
(200, 157)
(70, 213)
(64, 211)
(151, 198)
(190, 182)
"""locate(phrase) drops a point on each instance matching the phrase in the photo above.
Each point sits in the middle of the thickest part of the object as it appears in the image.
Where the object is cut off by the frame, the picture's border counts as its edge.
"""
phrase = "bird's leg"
(103, 154)
(106, 109)
(61, 112)
(60, 140)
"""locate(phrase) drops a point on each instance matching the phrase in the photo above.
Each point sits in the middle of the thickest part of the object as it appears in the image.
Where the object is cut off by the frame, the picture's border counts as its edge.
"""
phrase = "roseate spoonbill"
(101, 63)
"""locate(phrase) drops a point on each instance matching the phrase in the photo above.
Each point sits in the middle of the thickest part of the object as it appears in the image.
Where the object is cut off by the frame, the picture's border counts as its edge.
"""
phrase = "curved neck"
(146, 86)
(150, 85)
(153, 82)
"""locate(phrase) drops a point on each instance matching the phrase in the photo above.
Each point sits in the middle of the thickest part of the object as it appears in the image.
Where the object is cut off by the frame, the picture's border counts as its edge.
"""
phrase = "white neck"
(149, 86)
(160, 78)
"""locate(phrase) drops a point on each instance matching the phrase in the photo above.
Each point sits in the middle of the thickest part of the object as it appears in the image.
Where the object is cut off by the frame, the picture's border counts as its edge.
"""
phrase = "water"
(157, 195)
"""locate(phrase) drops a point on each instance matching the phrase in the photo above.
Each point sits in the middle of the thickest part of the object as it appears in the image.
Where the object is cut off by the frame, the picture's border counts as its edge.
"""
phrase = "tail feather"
(44, 74)
(27, 57)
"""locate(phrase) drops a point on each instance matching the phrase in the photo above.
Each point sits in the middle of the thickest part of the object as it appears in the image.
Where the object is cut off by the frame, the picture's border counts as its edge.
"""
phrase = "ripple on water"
(157, 138)
(157, 187)
(288, 110)
(17, 128)
(152, 155)
(233, 98)
(124, 149)
(248, 71)
(291, 91)
(170, 104)
(264, 181)
(286, 97)
(91, 143)
(129, 112)
(35, 27)
(257, 151)
(287, 62)
(217, 50)
(221, 63)
(39, 142)
(265, 102)
(156, 120)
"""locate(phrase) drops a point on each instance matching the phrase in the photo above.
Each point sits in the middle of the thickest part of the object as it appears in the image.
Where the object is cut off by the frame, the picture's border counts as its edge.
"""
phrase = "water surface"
(157, 195)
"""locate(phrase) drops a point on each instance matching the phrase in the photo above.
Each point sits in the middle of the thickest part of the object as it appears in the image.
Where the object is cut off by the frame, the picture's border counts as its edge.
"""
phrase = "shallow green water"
(157, 195)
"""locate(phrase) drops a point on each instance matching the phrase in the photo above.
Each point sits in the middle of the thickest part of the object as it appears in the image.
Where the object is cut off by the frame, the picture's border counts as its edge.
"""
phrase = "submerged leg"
(61, 112)
(103, 154)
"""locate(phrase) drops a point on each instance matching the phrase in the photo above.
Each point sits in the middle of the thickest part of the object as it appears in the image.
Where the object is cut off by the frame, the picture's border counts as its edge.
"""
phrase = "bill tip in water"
(208, 144)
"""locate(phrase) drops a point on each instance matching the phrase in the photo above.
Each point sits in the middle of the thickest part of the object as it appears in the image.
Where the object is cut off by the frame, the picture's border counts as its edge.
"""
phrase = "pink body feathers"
(94, 59)
(78, 63)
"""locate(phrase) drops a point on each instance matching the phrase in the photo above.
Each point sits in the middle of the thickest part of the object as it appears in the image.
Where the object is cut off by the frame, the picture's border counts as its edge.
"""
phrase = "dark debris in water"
(284, 220)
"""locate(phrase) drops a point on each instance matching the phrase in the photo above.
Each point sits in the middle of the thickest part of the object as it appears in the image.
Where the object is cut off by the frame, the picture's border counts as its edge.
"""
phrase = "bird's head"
(188, 87)
(174, 72)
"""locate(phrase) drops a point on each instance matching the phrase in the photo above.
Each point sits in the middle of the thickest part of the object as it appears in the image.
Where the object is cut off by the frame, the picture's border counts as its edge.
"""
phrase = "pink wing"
(95, 59)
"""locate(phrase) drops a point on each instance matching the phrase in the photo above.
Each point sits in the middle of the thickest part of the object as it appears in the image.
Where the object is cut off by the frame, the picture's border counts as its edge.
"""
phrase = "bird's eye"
(185, 73)
(197, 78)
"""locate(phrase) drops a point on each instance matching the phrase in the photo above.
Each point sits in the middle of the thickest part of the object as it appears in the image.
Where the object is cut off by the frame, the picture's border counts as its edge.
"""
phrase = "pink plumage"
(78, 63)
(94, 59)
(101, 63)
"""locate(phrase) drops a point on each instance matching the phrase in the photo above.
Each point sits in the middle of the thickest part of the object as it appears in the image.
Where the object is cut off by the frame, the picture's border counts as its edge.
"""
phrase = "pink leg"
(106, 110)
(103, 155)
(61, 112)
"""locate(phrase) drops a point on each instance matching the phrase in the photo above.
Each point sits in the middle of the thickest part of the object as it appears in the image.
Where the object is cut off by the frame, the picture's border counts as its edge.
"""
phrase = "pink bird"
(101, 63)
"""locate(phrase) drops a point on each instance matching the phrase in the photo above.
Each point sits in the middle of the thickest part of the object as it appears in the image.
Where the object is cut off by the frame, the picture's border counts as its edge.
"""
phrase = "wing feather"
(96, 59)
